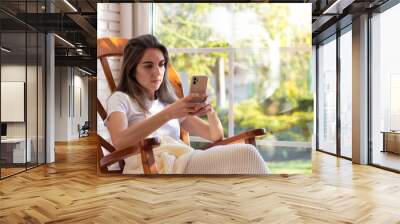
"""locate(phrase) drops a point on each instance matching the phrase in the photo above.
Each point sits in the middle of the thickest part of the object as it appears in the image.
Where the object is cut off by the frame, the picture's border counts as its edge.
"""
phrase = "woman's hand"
(203, 110)
(211, 130)
(185, 106)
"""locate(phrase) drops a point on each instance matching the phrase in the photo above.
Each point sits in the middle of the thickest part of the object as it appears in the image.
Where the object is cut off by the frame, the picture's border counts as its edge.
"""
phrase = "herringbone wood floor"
(70, 192)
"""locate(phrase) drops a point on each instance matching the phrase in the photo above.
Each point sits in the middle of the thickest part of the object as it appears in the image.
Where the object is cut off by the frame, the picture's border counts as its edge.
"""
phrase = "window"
(258, 61)
(346, 93)
(22, 65)
(327, 96)
(385, 84)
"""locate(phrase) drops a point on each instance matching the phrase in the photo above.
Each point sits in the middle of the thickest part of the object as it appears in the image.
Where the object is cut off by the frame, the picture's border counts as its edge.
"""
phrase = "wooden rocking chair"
(107, 47)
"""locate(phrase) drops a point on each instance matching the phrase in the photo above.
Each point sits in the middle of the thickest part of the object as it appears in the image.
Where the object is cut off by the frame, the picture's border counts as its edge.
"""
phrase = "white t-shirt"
(122, 102)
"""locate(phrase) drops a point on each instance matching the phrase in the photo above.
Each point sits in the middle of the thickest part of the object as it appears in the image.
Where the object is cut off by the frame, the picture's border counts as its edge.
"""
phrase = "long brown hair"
(133, 53)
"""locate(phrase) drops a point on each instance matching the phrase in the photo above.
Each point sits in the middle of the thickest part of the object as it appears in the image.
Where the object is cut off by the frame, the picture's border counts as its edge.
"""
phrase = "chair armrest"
(117, 155)
(105, 144)
(247, 137)
(100, 109)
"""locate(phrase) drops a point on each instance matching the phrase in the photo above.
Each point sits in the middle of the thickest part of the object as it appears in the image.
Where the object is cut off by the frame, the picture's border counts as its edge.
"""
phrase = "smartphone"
(198, 84)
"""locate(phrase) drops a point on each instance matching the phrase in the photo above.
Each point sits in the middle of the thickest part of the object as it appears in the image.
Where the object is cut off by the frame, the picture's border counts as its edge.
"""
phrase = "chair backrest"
(114, 46)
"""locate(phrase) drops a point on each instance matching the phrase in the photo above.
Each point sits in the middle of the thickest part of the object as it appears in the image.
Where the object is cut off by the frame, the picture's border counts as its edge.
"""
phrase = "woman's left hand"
(203, 110)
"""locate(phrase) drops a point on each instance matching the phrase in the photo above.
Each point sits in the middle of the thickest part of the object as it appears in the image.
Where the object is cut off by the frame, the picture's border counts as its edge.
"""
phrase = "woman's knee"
(249, 149)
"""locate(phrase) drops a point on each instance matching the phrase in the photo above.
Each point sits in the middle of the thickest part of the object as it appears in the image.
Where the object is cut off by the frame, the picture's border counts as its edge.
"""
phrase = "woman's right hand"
(185, 106)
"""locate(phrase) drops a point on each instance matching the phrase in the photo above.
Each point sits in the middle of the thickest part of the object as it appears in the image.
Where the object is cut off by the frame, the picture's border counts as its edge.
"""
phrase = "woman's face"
(150, 70)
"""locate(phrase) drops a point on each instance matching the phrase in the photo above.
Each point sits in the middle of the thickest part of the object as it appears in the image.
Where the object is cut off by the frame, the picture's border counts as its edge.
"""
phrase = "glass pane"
(32, 84)
(41, 99)
(31, 98)
(13, 85)
(386, 89)
(257, 57)
(327, 96)
(346, 94)
(22, 63)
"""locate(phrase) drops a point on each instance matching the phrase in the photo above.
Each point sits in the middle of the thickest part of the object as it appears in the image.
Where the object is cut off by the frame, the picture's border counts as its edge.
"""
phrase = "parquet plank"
(69, 191)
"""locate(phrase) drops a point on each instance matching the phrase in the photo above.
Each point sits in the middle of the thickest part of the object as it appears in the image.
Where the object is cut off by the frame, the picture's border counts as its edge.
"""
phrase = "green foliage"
(250, 114)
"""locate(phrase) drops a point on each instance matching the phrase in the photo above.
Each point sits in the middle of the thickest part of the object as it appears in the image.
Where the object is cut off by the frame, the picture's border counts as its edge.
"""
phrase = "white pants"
(227, 159)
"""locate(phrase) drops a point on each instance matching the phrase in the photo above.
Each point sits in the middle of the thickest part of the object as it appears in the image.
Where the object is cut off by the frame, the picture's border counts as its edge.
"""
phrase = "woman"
(145, 105)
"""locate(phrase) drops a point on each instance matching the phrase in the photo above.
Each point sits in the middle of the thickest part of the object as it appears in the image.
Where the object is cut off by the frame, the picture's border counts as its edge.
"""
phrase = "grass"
(290, 167)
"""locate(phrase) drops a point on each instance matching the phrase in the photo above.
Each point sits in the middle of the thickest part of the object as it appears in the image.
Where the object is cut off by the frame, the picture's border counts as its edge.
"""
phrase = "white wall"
(34, 124)
(108, 25)
(14, 73)
(67, 116)
(61, 103)
(81, 104)
(17, 73)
